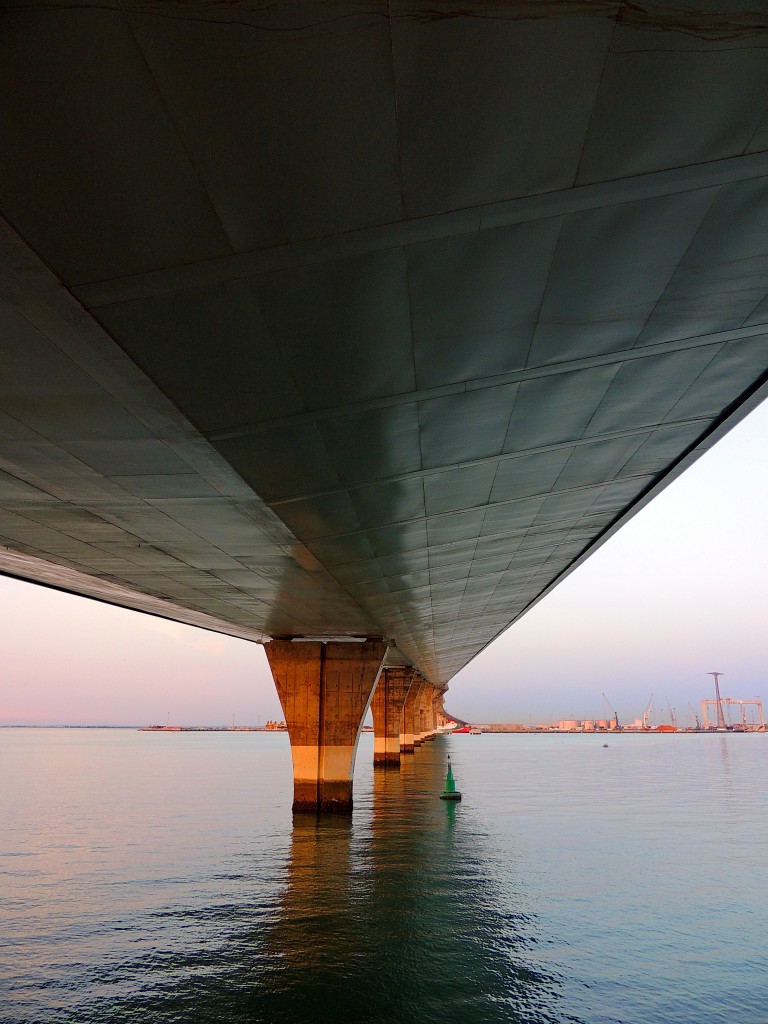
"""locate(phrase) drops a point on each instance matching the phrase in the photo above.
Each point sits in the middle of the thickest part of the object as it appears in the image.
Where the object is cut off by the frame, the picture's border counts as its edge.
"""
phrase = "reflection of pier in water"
(395, 916)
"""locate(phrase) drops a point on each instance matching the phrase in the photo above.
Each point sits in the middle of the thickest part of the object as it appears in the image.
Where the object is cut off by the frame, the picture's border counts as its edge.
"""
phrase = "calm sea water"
(160, 877)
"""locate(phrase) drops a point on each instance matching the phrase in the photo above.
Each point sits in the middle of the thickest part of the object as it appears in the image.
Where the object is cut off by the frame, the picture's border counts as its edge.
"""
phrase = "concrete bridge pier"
(408, 725)
(436, 695)
(325, 689)
(387, 706)
(423, 723)
(418, 716)
(434, 712)
(440, 718)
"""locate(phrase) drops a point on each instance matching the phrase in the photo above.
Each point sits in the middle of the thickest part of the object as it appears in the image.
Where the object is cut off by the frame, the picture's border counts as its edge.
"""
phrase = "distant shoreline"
(183, 728)
(485, 730)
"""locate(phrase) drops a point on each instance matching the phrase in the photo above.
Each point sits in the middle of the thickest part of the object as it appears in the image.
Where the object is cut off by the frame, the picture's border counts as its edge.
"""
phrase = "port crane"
(672, 715)
(718, 702)
(756, 701)
(612, 715)
(648, 715)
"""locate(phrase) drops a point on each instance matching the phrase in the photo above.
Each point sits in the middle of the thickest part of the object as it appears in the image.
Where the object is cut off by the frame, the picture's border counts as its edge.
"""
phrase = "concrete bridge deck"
(329, 319)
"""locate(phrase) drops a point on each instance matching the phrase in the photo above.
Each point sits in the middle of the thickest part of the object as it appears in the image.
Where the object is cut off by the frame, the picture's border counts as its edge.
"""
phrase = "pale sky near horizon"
(678, 592)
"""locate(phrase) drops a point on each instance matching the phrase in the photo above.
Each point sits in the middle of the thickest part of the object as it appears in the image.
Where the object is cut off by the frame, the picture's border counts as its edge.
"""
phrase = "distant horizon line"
(105, 725)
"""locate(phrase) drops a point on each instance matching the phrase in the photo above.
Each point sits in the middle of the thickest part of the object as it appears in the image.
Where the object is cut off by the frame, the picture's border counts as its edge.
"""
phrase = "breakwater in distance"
(166, 881)
(212, 728)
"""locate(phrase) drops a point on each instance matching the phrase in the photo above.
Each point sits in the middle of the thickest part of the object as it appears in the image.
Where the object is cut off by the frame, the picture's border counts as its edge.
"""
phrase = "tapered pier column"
(387, 707)
(429, 719)
(440, 718)
(422, 721)
(409, 714)
(325, 688)
(435, 712)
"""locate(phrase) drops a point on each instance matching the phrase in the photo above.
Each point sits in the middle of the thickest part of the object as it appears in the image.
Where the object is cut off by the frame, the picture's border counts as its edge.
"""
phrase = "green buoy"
(451, 793)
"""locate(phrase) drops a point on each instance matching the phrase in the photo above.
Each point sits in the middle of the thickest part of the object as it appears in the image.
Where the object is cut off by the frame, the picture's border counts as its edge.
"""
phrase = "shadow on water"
(393, 915)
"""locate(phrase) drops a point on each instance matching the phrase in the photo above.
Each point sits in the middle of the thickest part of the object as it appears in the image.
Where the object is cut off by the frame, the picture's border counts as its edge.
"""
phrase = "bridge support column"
(387, 707)
(432, 713)
(434, 717)
(429, 716)
(440, 717)
(421, 721)
(409, 714)
(417, 712)
(325, 689)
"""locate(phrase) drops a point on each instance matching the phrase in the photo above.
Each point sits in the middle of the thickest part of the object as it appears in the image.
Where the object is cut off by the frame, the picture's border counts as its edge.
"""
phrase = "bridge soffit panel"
(413, 411)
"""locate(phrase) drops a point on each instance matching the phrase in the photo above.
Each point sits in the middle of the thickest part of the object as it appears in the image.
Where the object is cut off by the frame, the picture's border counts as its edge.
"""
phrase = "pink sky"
(68, 660)
(679, 592)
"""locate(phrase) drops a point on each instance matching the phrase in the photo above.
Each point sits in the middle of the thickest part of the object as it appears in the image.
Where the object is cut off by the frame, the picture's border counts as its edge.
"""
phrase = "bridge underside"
(339, 319)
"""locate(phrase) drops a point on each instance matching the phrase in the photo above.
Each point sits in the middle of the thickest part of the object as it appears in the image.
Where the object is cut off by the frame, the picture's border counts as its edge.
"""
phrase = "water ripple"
(566, 887)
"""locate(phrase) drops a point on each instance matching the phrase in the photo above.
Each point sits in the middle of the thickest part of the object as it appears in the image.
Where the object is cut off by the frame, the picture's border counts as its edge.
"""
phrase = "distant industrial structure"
(722, 721)
(721, 725)
(587, 725)
(743, 725)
